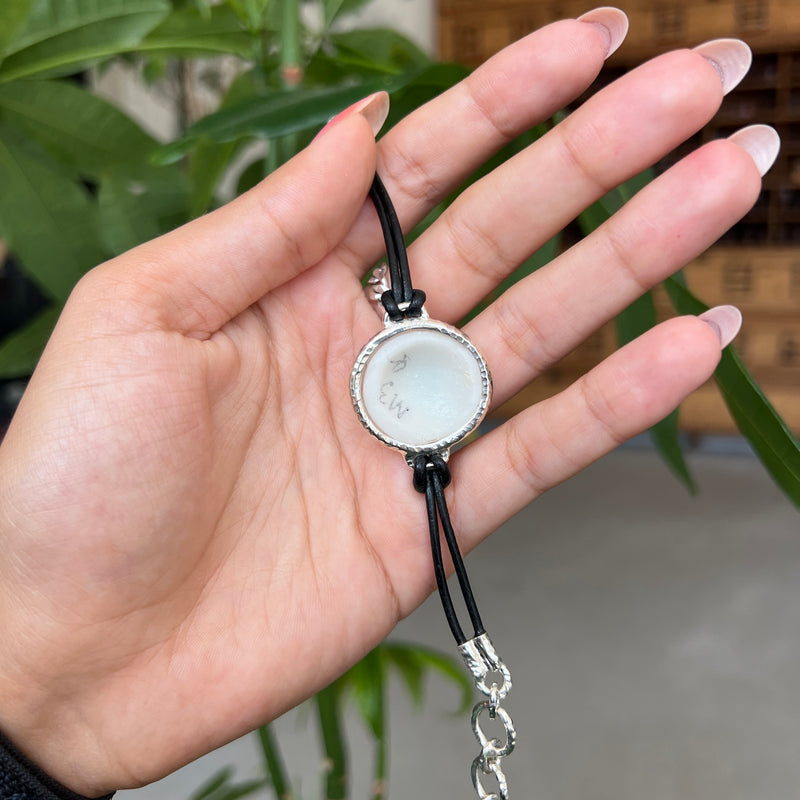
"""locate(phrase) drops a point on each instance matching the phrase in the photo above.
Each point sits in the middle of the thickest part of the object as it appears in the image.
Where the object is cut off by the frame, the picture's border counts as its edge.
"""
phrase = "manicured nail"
(731, 58)
(761, 142)
(374, 108)
(611, 22)
(725, 321)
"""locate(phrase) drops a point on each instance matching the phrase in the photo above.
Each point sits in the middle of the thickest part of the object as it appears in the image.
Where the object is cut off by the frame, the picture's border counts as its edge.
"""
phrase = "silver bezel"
(391, 330)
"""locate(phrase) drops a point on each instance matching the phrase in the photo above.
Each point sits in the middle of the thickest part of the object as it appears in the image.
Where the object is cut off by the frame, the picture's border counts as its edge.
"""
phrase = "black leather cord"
(431, 473)
(431, 476)
(402, 292)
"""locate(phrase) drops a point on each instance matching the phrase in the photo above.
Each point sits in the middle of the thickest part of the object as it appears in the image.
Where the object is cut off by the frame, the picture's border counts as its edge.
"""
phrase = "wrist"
(22, 779)
(40, 729)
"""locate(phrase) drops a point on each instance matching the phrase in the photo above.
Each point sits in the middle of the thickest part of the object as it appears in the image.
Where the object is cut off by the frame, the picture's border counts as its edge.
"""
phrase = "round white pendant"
(420, 385)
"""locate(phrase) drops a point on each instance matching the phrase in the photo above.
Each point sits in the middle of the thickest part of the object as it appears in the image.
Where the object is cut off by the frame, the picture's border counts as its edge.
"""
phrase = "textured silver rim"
(391, 330)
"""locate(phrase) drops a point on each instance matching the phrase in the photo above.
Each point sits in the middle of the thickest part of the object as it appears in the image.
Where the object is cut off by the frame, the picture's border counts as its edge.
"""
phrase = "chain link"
(482, 660)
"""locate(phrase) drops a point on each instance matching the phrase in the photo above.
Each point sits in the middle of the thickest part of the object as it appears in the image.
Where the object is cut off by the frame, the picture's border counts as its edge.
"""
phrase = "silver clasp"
(481, 659)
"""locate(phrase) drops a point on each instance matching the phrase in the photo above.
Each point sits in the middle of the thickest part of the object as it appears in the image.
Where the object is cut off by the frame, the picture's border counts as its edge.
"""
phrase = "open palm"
(196, 533)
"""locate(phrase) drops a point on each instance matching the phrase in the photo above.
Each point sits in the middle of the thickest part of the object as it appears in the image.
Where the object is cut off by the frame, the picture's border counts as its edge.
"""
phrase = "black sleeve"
(20, 779)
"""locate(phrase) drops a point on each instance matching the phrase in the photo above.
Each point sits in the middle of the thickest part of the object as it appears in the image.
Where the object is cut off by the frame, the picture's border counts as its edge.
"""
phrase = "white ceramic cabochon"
(421, 386)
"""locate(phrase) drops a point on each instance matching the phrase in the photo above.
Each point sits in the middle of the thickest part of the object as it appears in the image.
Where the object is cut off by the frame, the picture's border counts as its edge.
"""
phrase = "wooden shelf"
(757, 266)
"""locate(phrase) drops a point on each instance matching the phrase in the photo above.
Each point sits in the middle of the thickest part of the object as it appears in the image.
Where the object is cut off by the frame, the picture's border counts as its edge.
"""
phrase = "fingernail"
(762, 142)
(725, 321)
(611, 22)
(374, 108)
(731, 58)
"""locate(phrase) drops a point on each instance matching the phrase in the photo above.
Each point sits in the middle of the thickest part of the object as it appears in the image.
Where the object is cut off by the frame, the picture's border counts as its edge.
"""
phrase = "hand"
(197, 533)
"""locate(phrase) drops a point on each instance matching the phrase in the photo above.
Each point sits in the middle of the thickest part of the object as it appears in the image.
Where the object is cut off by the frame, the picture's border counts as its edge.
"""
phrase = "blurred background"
(648, 608)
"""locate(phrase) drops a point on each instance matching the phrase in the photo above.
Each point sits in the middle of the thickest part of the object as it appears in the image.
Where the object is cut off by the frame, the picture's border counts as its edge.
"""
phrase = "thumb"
(210, 270)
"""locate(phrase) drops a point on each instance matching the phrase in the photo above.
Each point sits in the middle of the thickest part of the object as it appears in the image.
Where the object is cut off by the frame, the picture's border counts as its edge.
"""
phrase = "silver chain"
(483, 662)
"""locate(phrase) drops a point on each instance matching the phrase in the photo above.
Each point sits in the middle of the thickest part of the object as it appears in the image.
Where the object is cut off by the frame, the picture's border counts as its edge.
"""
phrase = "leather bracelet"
(421, 386)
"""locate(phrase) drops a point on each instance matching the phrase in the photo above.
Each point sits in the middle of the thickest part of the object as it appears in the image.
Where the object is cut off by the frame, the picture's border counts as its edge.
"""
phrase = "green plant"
(82, 182)
(364, 685)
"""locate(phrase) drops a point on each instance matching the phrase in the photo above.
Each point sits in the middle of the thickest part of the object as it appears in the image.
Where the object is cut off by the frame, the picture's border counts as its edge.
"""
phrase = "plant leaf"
(421, 88)
(336, 8)
(215, 782)
(401, 653)
(252, 13)
(410, 669)
(380, 49)
(49, 221)
(638, 318)
(13, 14)
(274, 762)
(270, 115)
(20, 351)
(132, 212)
(366, 681)
(329, 710)
(210, 160)
(243, 789)
(77, 127)
(776, 446)
(189, 31)
(330, 10)
(60, 37)
(631, 323)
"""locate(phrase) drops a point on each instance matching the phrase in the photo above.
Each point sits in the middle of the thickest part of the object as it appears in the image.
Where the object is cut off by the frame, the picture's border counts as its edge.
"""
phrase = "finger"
(667, 224)
(205, 273)
(547, 443)
(499, 221)
(436, 147)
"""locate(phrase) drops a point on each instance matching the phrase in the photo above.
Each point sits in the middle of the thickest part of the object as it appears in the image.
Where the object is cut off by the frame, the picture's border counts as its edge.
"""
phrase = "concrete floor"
(654, 641)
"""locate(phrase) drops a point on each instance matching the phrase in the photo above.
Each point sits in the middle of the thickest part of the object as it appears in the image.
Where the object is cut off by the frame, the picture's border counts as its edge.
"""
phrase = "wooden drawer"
(765, 284)
(472, 30)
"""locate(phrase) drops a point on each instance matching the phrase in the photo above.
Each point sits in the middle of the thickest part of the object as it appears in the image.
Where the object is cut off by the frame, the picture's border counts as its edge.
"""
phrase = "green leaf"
(13, 14)
(49, 221)
(631, 323)
(596, 214)
(20, 351)
(191, 32)
(638, 318)
(776, 446)
(410, 669)
(215, 782)
(210, 160)
(366, 681)
(336, 8)
(274, 763)
(330, 10)
(132, 212)
(427, 659)
(209, 163)
(421, 88)
(243, 789)
(270, 115)
(252, 13)
(329, 710)
(250, 175)
(379, 49)
(62, 37)
(77, 127)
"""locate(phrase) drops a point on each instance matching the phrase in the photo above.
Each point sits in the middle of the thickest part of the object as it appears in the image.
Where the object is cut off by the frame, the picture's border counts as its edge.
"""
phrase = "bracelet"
(421, 386)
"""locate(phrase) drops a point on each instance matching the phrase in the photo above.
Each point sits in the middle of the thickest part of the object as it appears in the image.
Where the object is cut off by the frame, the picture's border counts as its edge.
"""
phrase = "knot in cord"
(412, 310)
(422, 464)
